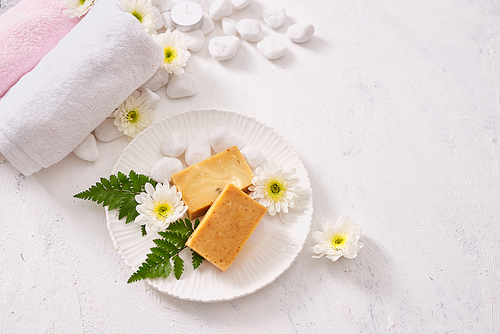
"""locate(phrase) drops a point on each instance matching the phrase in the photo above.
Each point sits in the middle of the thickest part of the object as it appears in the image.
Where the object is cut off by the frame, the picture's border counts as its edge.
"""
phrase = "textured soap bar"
(201, 183)
(226, 227)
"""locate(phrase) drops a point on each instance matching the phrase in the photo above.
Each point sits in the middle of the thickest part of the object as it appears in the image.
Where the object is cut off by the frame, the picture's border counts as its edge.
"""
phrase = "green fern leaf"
(178, 266)
(118, 193)
(197, 259)
(165, 253)
(176, 239)
(181, 228)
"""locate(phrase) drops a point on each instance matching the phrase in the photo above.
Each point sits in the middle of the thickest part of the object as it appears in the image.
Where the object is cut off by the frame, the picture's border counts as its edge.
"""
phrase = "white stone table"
(393, 106)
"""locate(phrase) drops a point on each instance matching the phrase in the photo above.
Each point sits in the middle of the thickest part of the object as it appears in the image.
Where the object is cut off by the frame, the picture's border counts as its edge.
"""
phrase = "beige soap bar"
(226, 227)
(201, 183)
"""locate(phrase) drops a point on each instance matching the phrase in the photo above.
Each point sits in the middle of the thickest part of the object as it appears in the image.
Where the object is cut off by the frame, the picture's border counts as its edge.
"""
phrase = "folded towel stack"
(28, 31)
(99, 63)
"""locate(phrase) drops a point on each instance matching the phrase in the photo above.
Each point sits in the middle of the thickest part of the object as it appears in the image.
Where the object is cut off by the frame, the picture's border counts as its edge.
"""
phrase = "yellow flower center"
(170, 54)
(339, 240)
(163, 210)
(82, 2)
(133, 116)
(136, 14)
(275, 189)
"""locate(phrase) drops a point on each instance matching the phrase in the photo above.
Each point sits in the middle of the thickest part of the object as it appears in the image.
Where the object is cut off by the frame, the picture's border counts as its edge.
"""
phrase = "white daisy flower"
(143, 11)
(133, 116)
(338, 239)
(159, 207)
(175, 51)
(77, 8)
(274, 188)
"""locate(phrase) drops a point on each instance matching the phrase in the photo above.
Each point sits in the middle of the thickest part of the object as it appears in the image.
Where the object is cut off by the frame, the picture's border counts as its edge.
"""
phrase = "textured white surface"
(393, 108)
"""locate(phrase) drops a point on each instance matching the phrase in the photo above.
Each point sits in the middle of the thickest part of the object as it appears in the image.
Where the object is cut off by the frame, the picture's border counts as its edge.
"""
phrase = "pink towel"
(28, 31)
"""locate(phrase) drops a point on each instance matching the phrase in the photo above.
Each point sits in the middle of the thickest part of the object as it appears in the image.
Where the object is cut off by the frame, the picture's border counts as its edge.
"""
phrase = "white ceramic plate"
(270, 250)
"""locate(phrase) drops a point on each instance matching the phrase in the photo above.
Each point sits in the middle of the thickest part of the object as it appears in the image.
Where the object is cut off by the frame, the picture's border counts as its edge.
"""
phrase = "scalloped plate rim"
(182, 114)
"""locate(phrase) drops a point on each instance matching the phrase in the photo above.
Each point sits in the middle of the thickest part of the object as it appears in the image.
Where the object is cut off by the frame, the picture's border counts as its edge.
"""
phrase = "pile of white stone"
(225, 47)
(197, 147)
(220, 48)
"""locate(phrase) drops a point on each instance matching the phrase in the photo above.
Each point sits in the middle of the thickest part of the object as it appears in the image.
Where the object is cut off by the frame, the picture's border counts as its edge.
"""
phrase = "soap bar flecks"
(226, 227)
(201, 183)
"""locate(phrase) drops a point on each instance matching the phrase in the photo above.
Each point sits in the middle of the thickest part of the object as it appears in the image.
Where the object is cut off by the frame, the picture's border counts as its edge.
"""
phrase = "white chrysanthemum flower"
(133, 116)
(175, 51)
(143, 11)
(338, 239)
(274, 188)
(77, 8)
(159, 207)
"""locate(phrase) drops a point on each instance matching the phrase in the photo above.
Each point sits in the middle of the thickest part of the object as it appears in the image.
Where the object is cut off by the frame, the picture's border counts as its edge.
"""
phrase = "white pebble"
(253, 156)
(240, 4)
(229, 26)
(87, 150)
(164, 168)
(198, 148)
(107, 131)
(221, 139)
(271, 47)
(167, 21)
(207, 25)
(159, 18)
(181, 85)
(220, 8)
(152, 98)
(249, 29)
(195, 38)
(173, 145)
(164, 5)
(205, 4)
(300, 32)
(224, 47)
(158, 80)
(135, 93)
(274, 17)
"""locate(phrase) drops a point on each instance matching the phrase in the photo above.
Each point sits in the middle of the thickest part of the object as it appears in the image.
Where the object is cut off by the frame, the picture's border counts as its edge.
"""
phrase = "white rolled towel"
(94, 68)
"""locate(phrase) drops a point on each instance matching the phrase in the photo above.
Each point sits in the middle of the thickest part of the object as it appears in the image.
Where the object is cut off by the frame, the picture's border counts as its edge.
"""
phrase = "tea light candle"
(187, 16)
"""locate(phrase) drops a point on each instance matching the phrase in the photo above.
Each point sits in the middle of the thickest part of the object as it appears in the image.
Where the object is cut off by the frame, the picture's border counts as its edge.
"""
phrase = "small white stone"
(229, 26)
(181, 85)
(224, 47)
(271, 47)
(220, 8)
(158, 80)
(152, 98)
(167, 21)
(221, 139)
(198, 148)
(164, 168)
(240, 4)
(164, 5)
(87, 150)
(107, 131)
(159, 18)
(173, 145)
(207, 25)
(253, 156)
(274, 17)
(205, 4)
(195, 38)
(135, 93)
(249, 29)
(300, 32)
